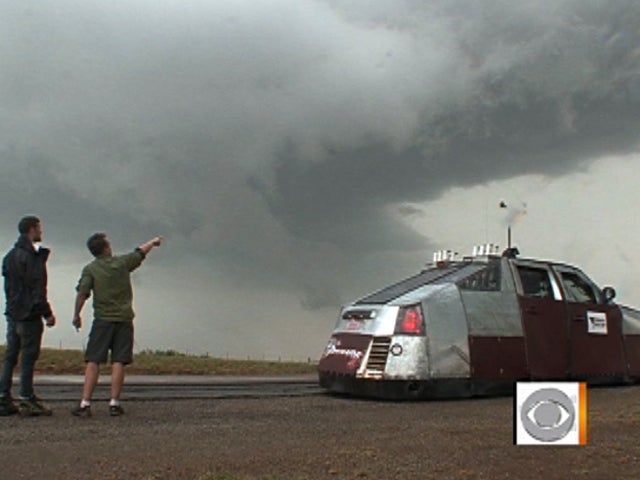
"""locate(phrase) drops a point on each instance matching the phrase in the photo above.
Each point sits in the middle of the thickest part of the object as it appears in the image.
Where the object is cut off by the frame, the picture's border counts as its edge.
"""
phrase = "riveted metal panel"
(407, 358)
(631, 338)
(446, 328)
(630, 321)
(494, 314)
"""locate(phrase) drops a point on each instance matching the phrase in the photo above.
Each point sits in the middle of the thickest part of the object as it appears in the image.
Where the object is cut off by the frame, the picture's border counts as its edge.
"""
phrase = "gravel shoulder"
(316, 437)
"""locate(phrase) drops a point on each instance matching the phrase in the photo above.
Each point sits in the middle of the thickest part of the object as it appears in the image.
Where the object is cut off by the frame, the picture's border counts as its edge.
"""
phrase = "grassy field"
(70, 362)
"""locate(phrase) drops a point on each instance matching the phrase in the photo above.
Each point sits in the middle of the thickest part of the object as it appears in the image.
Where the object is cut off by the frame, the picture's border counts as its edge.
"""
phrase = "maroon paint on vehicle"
(547, 347)
(345, 353)
(497, 358)
(594, 354)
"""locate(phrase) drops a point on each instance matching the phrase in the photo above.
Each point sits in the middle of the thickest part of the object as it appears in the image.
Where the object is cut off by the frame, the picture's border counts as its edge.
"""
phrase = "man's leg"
(7, 407)
(91, 373)
(121, 355)
(30, 332)
(10, 359)
(117, 380)
(96, 353)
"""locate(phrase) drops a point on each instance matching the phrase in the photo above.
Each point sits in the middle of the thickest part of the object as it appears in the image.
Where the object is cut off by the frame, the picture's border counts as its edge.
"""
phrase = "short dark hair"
(97, 243)
(27, 223)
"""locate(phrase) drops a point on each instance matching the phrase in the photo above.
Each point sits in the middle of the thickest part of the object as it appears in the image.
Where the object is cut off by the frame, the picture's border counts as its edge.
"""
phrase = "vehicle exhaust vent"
(378, 356)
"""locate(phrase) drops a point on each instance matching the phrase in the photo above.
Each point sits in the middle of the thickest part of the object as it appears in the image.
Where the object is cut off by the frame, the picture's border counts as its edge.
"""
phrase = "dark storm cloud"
(279, 140)
(554, 86)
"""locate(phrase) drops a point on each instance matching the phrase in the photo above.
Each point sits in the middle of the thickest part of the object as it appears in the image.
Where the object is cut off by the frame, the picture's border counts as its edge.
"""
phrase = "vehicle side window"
(485, 280)
(577, 288)
(535, 282)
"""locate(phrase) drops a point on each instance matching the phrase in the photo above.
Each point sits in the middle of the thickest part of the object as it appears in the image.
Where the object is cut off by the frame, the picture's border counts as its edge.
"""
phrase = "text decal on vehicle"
(597, 323)
(344, 353)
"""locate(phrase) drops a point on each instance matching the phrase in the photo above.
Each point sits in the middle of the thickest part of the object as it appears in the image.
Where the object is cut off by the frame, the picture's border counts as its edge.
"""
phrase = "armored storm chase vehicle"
(477, 325)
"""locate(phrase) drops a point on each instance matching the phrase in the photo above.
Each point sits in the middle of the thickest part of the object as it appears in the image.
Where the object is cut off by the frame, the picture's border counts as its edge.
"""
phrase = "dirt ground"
(317, 437)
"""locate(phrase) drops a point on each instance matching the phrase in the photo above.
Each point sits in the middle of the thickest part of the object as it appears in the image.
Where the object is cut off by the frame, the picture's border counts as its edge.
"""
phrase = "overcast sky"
(298, 154)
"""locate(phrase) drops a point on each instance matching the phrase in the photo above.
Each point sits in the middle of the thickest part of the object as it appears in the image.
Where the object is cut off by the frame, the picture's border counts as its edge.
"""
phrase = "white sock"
(114, 403)
(85, 403)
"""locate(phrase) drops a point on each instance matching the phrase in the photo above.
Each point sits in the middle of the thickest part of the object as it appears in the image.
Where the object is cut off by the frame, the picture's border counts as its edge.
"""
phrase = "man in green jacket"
(109, 278)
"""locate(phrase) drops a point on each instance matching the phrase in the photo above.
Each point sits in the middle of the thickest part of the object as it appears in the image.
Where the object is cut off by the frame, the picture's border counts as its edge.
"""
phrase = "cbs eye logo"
(550, 413)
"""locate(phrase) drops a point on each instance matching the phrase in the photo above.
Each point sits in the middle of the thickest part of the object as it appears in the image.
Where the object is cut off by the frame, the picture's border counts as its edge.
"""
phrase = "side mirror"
(609, 294)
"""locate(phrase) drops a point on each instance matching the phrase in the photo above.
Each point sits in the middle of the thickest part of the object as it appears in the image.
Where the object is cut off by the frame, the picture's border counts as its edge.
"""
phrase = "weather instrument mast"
(513, 214)
(503, 204)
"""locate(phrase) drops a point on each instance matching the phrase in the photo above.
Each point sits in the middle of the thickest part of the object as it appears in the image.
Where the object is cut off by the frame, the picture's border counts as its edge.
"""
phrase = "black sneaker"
(82, 411)
(116, 410)
(33, 407)
(7, 407)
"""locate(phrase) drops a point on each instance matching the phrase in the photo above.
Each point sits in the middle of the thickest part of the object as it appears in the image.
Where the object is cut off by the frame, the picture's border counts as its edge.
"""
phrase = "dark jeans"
(24, 336)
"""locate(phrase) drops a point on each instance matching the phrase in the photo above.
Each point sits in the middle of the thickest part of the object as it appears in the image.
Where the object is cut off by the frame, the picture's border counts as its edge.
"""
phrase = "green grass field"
(71, 362)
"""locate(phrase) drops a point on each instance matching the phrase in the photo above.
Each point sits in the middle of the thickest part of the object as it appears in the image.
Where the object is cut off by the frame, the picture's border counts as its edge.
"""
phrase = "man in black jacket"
(25, 285)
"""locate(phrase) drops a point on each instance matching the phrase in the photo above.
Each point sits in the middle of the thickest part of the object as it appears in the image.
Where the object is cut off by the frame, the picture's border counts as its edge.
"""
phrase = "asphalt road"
(169, 387)
(314, 437)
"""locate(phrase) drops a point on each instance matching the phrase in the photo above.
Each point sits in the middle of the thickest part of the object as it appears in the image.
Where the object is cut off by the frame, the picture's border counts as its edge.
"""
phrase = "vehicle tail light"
(410, 320)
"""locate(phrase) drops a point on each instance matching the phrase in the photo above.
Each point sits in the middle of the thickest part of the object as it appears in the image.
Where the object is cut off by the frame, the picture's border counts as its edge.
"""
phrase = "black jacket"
(25, 281)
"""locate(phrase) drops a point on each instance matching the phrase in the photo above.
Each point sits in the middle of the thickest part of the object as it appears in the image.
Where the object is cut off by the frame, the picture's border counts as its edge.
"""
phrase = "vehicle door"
(595, 327)
(544, 320)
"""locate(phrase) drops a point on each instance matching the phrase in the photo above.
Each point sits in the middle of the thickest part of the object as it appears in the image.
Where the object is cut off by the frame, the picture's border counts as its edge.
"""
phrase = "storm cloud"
(278, 144)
